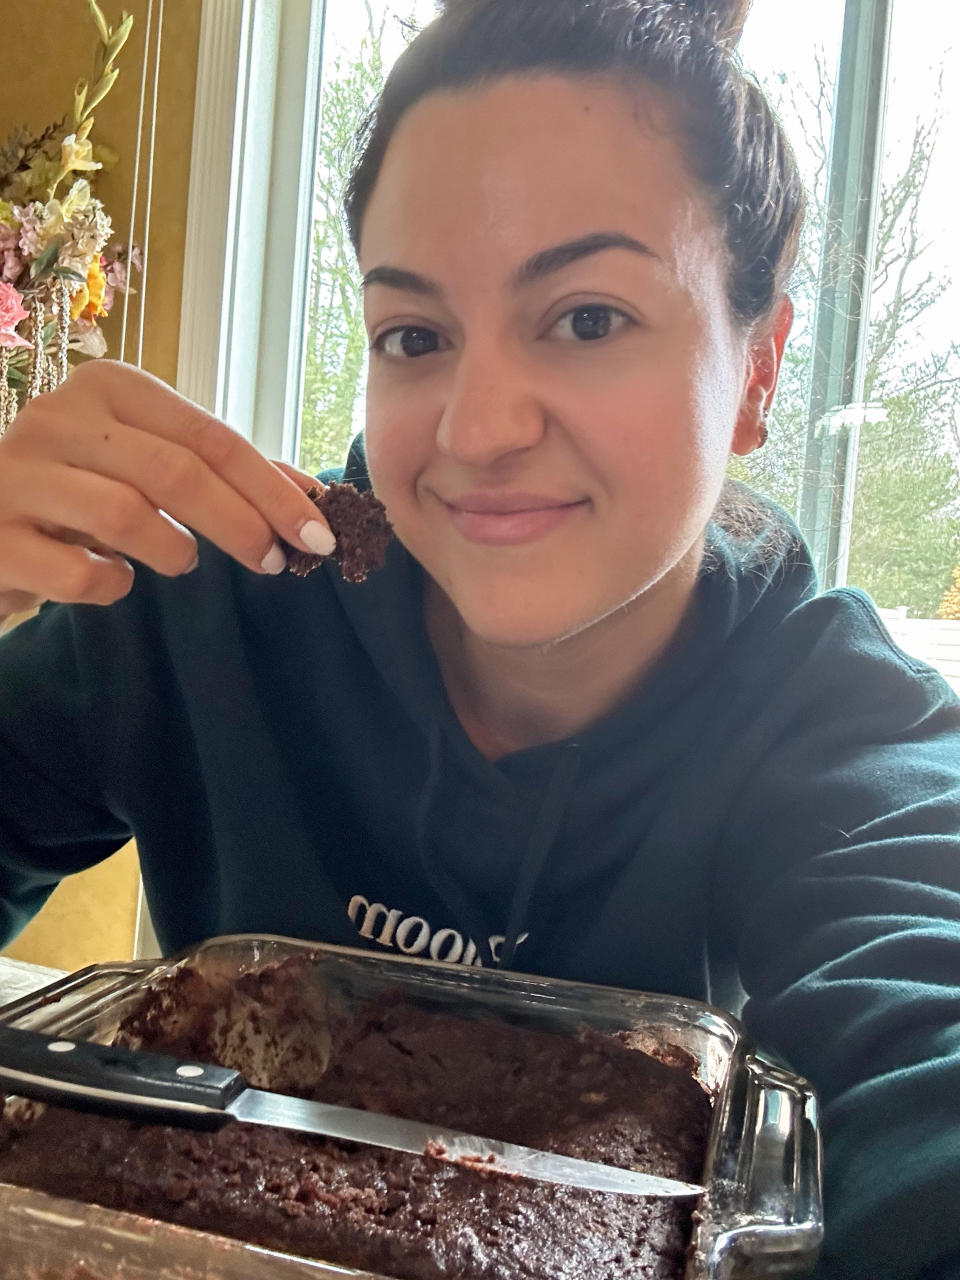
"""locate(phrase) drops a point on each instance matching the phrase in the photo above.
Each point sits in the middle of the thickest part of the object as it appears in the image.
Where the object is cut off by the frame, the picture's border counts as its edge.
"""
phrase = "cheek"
(716, 391)
(392, 428)
(690, 410)
(399, 440)
(659, 443)
(377, 447)
(646, 431)
(717, 377)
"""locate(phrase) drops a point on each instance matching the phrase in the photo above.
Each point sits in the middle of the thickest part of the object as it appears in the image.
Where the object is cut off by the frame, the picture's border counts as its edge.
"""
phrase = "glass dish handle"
(765, 1214)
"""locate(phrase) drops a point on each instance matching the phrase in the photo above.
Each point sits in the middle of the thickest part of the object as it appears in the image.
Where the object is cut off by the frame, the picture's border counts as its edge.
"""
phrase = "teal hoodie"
(770, 824)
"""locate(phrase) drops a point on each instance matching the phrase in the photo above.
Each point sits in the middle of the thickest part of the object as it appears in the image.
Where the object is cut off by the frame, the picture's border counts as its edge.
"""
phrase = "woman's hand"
(114, 464)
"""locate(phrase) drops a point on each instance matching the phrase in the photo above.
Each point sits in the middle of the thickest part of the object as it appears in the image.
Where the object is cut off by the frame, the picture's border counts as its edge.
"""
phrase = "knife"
(163, 1090)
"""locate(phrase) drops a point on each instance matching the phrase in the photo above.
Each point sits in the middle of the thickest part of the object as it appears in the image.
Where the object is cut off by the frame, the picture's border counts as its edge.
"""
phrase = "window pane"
(905, 545)
(905, 535)
(794, 52)
(362, 39)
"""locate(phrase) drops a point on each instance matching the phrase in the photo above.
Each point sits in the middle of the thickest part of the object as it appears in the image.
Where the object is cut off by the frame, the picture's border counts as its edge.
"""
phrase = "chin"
(524, 623)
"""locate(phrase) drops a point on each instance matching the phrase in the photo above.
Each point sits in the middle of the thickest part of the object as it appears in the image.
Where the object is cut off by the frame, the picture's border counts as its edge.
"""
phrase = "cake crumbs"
(358, 521)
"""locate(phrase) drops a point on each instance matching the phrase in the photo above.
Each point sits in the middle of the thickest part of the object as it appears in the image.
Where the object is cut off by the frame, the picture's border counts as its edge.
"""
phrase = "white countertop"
(17, 978)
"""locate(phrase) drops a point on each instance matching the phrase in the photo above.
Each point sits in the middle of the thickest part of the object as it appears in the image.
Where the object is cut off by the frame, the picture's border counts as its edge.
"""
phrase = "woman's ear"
(763, 368)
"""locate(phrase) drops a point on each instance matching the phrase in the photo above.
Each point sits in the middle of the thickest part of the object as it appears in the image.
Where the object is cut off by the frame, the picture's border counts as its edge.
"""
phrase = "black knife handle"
(115, 1081)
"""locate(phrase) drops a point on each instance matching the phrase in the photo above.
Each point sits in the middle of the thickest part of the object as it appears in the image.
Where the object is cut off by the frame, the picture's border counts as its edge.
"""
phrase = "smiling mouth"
(510, 519)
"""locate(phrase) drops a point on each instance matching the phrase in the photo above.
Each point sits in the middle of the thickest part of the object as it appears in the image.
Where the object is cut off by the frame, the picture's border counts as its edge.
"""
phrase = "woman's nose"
(491, 408)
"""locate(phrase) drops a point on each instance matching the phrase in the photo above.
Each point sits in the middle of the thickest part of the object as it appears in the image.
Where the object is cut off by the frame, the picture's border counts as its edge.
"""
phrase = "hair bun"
(724, 18)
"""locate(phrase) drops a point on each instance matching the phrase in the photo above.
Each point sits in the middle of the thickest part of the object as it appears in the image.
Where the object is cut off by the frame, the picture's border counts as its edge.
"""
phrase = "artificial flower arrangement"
(58, 272)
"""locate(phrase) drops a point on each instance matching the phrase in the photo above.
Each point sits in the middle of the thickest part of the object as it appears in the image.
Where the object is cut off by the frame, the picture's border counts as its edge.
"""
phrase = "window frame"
(836, 410)
(247, 247)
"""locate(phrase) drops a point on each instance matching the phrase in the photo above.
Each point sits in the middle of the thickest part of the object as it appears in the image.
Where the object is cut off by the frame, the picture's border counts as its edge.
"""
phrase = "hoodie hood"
(538, 809)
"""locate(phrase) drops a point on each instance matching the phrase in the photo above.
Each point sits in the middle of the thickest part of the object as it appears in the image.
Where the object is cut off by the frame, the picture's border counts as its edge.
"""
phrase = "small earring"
(764, 432)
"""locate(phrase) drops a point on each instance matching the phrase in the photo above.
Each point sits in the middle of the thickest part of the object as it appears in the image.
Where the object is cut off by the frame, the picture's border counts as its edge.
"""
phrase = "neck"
(508, 698)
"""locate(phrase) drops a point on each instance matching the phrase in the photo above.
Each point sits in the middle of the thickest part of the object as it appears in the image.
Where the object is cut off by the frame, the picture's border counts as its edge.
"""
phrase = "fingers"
(278, 502)
(114, 464)
(171, 478)
(12, 602)
(100, 511)
(71, 574)
(301, 478)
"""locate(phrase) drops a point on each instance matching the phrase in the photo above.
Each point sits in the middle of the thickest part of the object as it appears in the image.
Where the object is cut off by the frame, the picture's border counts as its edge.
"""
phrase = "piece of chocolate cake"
(358, 521)
(387, 1212)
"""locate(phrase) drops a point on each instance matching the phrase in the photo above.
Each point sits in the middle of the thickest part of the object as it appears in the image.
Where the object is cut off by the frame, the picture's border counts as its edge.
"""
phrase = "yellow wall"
(48, 46)
(91, 917)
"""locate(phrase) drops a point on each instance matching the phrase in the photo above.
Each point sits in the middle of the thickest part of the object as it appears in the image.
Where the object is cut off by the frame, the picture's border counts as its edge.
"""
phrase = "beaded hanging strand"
(8, 398)
(49, 380)
(38, 358)
(62, 309)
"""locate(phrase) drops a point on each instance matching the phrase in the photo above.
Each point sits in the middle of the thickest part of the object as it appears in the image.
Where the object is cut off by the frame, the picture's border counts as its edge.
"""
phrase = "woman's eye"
(407, 342)
(590, 323)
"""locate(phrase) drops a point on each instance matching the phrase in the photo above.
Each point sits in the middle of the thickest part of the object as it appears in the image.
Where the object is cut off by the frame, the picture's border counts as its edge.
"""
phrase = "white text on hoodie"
(414, 936)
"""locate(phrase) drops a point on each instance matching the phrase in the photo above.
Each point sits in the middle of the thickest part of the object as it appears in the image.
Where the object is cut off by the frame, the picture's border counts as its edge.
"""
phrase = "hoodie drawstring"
(547, 824)
(442, 883)
(545, 828)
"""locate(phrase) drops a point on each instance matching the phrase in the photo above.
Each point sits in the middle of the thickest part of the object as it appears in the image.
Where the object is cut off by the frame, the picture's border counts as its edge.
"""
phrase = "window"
(361, 43)
(865, 434)
(876, 482)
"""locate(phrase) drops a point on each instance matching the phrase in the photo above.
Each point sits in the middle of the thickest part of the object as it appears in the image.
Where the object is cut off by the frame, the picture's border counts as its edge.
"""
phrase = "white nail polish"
(274, 561)
(318, 538)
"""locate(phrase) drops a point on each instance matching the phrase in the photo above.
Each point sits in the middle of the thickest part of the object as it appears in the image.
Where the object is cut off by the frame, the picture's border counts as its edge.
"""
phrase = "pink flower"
(11, 313)
(118, 264)
(116, 274)
(11, 264)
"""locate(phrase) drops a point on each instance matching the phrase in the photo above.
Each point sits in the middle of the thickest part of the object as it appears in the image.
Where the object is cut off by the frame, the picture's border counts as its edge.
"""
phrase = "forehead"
(503, 169)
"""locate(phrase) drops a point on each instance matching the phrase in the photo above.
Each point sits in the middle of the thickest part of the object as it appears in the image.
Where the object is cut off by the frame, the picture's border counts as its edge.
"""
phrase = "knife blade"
(163, 1090)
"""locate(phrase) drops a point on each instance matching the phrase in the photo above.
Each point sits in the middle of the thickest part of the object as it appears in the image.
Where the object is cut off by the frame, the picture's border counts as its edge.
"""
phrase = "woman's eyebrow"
(561, 255)
(535, 268)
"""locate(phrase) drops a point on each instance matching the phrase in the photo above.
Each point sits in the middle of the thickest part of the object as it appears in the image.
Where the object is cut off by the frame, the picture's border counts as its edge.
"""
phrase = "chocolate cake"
(358, 521)
(383, 1211)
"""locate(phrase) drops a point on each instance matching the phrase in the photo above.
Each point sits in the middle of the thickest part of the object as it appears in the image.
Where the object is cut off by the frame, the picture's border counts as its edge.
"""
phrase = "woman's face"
(555, 381)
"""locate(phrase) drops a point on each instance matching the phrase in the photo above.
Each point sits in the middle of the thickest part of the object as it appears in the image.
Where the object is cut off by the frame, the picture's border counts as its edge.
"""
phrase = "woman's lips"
(501, 520)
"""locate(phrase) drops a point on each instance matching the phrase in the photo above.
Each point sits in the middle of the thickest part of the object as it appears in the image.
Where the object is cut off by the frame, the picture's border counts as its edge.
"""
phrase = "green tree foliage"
(336, 338)
(905, 541)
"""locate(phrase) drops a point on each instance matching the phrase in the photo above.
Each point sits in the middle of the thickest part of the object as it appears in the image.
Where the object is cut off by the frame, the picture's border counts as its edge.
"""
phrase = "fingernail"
(196, 561)
(274, 561)
(318, 538)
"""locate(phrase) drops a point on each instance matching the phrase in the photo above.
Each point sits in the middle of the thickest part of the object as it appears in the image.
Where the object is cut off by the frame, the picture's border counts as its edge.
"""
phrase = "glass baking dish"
(760, 1216)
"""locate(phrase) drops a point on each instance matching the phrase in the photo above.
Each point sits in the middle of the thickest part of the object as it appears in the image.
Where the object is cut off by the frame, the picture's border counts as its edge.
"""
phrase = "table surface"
(17, 978)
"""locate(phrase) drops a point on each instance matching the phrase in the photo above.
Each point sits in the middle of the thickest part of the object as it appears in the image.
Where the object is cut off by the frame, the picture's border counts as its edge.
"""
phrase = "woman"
(591, 720)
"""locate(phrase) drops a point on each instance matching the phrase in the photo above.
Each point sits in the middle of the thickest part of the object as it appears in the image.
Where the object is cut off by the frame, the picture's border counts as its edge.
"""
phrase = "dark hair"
(734, 143)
